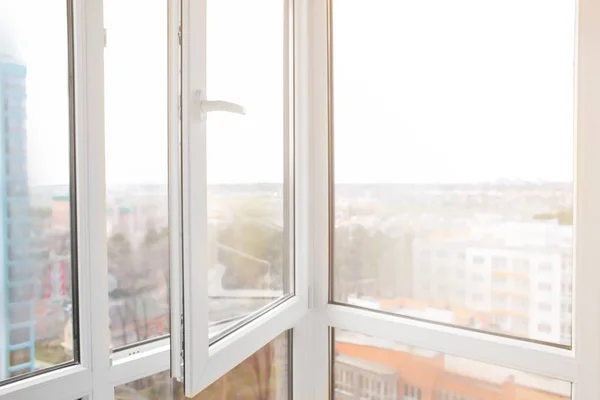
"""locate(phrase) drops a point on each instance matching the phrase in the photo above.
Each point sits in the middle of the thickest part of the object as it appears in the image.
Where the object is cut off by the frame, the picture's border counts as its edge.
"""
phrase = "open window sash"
(203, 348)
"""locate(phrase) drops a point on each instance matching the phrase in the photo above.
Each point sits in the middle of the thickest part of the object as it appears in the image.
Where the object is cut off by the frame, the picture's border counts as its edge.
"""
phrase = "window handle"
(205, 106)
(220, 105)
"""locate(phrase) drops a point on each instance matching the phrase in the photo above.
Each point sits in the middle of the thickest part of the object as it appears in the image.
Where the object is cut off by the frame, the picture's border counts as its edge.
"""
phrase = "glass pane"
(249, 248)
(137, 169)
(366, 367)
(36, 295)
(262, 376)
(454, 180)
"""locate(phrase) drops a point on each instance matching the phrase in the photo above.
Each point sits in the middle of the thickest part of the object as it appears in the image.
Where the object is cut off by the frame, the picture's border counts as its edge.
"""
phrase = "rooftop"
(484, 372)
(376, 368)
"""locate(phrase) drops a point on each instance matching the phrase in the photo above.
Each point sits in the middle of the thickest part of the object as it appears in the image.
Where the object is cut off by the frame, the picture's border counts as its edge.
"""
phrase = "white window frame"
(100, 372)
(203, 362)
(90, 377)
(581, 364)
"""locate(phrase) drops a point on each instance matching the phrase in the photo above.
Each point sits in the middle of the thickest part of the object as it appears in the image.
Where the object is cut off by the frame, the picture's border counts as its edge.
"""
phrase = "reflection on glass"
(262, 376)
(371, 368)
(35, 266)
(248, 266)
(136, 169)
(453, 181)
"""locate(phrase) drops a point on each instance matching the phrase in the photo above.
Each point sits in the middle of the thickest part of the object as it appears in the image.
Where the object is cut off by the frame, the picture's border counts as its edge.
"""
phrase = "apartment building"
(17, 335)
(378, 369)
(519, 274)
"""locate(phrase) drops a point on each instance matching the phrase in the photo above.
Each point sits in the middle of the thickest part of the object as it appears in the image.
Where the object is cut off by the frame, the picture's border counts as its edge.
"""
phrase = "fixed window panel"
(366, 367)
(248, 179)
(452, 146)
(137, 211)
(37, 297)
(262, 376)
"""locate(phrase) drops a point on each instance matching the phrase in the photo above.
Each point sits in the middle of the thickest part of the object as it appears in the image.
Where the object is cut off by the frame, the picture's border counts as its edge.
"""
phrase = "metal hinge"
(179, 34)
(181, 353)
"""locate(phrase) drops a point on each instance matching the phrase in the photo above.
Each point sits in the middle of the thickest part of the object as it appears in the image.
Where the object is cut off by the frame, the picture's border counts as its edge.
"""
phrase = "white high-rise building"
(517, 273)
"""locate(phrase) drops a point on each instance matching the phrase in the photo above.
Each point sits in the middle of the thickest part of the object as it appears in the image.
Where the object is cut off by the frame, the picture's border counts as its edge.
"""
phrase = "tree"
(254, 244)
(262, 365)
(564, 217)
(136, 284)
(119, 252)
(252, 379)
(357, 254)
(155, 254)
(41, 212)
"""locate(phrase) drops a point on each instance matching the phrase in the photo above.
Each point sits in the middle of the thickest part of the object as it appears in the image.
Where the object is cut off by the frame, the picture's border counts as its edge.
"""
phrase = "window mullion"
(507, 352)
(91, 201)
(306, 360)
(315, 327)
(587, 217)
(194, 196)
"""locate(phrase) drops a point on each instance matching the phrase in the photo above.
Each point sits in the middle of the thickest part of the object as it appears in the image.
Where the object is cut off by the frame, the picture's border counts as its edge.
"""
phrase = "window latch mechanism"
(205, 106)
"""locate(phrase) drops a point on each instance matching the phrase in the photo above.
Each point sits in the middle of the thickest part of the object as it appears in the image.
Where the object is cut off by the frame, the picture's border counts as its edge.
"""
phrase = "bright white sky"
(425, 91)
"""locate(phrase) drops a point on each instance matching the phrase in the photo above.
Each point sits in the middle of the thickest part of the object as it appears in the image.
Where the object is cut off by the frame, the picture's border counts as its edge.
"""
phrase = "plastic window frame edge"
(216, 359)
(175, 185)
(87, 379)
(586, 304)
(305, 357)
(92, 214)
(318, 360)
(67, 383)
(578, 365)
(140, 362)
(193, 144)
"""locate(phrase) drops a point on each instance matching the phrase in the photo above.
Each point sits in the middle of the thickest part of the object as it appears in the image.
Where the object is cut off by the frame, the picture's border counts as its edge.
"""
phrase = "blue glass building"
(17, 284)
